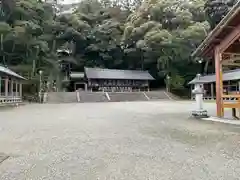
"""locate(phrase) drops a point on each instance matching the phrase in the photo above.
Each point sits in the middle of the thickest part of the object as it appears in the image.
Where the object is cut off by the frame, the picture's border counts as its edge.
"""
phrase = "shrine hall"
(10, 87)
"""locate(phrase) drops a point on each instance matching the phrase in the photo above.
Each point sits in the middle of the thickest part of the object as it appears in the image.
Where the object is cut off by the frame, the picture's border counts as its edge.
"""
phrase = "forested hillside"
(154, 35)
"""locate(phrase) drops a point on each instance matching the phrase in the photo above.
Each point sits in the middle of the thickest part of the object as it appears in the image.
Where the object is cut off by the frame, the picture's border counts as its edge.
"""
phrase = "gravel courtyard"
(116, 141)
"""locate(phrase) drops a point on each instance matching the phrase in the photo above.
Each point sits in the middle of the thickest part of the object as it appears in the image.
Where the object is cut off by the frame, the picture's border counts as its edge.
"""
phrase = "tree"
(8, 6)
(154, 35)
(165, 32)
(217, 9)
(30, 38)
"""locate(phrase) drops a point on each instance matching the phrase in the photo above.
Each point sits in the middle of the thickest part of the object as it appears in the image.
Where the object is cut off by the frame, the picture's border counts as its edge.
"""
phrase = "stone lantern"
(198, 92)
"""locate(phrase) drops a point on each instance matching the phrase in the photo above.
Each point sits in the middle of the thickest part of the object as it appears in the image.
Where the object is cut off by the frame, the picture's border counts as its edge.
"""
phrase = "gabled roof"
(227, 76)
(10, 73)
(227, 24)
(77, 75)
(98, 73)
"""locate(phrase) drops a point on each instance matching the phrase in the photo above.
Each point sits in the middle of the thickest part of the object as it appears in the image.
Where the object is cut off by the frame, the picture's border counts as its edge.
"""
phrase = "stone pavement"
(116, 141)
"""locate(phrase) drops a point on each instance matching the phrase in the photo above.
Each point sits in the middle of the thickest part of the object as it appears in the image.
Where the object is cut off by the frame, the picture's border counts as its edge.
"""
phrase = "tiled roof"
(98, 73)
(10, 72)
(227, 76)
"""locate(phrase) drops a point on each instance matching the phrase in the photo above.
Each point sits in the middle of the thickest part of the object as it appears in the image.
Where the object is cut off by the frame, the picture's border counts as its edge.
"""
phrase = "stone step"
(62, 97)
(158, 95)
(72, 97)
(92, 97)
(127, 96)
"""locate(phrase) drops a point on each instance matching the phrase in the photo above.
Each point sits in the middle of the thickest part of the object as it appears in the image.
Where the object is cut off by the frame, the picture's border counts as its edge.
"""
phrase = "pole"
(219, 83)
(20, 89)
(167, 83)
(16, 85)
(11, 86)
(40, 86)
(6, 86)
(0, 86)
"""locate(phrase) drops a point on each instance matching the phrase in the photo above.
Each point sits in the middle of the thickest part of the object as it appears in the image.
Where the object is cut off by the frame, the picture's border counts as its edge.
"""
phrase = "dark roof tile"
(10, 72)
(98, 73)
(227, 76)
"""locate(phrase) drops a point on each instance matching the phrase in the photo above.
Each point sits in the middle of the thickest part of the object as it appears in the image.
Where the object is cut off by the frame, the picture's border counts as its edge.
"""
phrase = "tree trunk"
(33, 68)
(206, 67)
(1, 42)
(8, 6)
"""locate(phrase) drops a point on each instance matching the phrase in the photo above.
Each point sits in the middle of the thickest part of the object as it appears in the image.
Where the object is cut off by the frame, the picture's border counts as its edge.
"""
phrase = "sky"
(69, 1)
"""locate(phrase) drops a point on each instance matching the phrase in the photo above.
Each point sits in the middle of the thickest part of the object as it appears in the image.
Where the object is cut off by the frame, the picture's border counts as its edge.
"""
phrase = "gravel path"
(116, 141)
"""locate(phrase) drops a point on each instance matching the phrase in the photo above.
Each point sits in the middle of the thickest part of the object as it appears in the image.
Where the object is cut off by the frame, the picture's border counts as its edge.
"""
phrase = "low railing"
(232, 101)
(225, 98)
(10, 100)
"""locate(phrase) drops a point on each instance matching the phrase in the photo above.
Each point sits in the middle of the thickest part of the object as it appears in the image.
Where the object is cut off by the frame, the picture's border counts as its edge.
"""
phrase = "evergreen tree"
(217, 9)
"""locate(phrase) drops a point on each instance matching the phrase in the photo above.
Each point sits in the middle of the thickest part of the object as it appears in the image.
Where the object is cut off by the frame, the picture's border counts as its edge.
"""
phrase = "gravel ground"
(116, 141)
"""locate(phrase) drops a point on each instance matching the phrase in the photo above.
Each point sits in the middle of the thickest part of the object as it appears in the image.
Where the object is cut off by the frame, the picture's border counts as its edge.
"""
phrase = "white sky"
(68, 1)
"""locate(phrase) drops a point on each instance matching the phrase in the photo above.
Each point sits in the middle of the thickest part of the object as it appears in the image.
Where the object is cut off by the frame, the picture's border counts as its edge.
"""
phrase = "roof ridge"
(227, 76)
(229, 71)
(116, 69)
(106, 73)
(8, 71)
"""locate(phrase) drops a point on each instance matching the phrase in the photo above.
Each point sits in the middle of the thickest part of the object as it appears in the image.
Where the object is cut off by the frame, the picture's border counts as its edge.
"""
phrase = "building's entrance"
(80, 86)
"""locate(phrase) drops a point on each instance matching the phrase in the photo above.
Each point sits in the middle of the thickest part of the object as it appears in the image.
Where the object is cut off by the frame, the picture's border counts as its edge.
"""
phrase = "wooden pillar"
(148, 86)
(6, 86)
(17, 94)
(0, 86)
(238, 89)
(212, 90)
(190, 92)
(20, 89)
(219, 83)
(11, 87)
(229, 88)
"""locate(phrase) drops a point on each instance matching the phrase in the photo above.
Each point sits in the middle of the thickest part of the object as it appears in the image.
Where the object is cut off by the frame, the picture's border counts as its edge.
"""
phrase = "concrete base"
(199, 113)
(222, 120)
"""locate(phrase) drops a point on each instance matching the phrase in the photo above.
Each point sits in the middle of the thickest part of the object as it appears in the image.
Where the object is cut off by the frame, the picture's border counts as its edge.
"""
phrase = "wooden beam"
(217, 40)
(231, 64)
(219, 83)
(229, 53)
(229, 39)
(231, 96)
(231, 105)
(230, 27)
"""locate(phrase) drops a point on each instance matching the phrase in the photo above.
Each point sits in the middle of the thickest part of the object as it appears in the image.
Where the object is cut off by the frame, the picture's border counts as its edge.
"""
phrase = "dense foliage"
(154, 35)
(217, 9)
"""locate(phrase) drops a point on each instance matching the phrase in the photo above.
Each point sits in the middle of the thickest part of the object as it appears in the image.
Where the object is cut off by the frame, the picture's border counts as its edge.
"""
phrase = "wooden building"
(111, 80)
(223, 46)
(10, 86)
(77, 81)
(231, 84)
